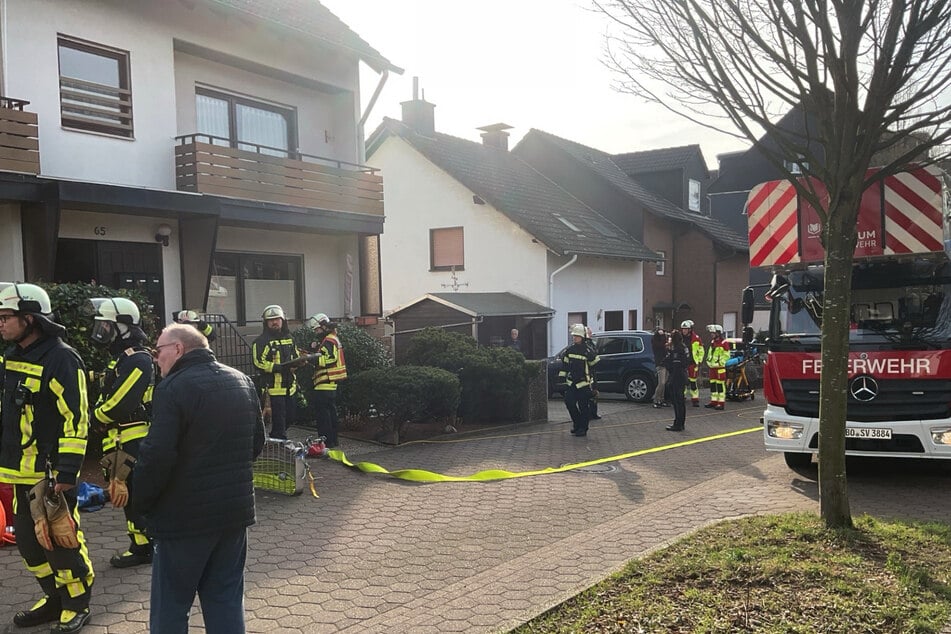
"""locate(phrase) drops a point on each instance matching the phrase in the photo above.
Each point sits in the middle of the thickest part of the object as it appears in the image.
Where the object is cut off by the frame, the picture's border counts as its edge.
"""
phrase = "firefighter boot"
(135, 556)
(45, 610)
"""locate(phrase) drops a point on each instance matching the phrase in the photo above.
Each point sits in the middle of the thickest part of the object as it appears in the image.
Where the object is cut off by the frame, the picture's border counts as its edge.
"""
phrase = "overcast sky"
(527, 63)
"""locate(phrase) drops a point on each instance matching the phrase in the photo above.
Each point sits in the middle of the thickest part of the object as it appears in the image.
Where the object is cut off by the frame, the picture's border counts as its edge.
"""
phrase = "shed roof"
(499, 304)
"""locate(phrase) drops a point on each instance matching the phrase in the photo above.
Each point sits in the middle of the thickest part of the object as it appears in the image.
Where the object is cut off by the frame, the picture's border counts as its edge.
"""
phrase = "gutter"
(551, 295)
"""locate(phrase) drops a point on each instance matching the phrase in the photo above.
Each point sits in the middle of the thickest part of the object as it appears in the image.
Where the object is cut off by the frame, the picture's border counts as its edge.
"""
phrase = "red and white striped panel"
(773, 224)
(914, 208)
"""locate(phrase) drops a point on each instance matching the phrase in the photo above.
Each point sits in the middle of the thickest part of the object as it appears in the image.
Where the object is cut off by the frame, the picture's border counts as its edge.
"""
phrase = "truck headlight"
(783, 430)
(941, 435)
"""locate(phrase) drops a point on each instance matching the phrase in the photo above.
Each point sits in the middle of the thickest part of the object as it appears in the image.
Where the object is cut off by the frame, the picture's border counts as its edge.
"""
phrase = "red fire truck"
(899, 369)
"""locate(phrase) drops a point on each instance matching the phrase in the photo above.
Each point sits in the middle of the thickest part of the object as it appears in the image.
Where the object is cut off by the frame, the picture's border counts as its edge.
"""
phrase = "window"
(94, 89)
(242, 284)
(577, 318)
(797, 166)
(446, 249)
(693, 198)
(662, 263)
(632, 319)
(246, 124)
(614, 320)
(614, 345)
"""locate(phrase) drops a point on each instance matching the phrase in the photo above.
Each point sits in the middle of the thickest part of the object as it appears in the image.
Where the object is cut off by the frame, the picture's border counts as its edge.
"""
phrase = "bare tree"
(871, 81)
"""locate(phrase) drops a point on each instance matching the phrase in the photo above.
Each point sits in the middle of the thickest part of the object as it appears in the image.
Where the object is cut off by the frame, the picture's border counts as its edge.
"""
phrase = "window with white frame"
(246, 124)
(693, 196)
(662, 263)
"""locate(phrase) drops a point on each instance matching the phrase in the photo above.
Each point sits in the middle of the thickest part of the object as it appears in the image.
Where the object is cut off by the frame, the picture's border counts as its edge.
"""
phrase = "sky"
(528, 63)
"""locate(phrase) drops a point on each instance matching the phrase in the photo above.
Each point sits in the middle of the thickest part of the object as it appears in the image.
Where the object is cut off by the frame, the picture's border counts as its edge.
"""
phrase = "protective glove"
(118, 493)
(38, 512)
(62, 526)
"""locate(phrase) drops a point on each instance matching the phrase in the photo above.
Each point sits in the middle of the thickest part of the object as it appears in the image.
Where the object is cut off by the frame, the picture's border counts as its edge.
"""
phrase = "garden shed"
(487, 317)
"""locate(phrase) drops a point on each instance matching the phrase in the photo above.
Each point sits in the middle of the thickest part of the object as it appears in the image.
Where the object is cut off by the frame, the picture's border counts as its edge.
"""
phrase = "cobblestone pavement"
(375, 554)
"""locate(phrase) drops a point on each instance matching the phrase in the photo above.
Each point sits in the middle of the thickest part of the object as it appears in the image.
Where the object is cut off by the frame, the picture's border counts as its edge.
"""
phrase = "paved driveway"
(375, 554)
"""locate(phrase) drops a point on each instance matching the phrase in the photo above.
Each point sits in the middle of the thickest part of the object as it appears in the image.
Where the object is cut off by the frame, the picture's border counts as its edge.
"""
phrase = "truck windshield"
(906, 305)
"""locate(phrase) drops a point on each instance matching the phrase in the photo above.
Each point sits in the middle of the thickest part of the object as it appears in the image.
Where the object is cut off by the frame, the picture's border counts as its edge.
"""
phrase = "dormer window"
(693, 197)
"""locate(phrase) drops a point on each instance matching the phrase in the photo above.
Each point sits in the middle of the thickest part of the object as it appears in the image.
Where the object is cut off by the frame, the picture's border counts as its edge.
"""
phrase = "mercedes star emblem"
(864, 388)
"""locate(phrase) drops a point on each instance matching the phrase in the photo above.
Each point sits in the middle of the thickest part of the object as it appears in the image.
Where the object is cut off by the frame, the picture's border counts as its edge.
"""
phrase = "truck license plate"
(877, 433)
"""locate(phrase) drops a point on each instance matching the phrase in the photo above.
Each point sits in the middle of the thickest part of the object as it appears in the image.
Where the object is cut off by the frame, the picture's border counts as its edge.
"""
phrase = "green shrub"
(494, 380)
(395, 396)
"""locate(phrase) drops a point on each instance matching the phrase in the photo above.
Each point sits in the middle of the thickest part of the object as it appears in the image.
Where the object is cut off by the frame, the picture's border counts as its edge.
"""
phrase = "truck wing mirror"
(748, 305)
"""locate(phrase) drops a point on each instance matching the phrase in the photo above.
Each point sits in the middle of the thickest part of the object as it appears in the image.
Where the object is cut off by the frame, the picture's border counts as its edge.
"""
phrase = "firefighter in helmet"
(331, 369)
(192, 318)
(44, 419)
(123, 411)
(718, 353)
(696, 353)
(577, 374)
(274, 353)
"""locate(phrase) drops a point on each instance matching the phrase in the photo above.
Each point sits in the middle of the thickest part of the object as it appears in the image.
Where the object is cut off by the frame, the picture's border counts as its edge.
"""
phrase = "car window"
(638, 344)
(613, 345)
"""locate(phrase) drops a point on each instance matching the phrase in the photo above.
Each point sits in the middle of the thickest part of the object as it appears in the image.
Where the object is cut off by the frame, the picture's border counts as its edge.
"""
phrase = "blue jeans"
(210, 565)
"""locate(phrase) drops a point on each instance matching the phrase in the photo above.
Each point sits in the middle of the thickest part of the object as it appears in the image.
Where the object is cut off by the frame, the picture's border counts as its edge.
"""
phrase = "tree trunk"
(839, 245)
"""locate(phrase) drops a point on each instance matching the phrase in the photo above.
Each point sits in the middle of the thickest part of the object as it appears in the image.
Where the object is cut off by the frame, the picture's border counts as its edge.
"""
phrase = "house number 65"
(99, 230)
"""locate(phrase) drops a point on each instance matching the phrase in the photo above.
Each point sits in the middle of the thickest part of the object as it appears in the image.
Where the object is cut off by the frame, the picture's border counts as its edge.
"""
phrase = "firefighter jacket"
(205, 328)
(331, 364)
(125, 397)
(269, 351)
(577, 362)
(44, 412)
(717, 354)
(696, 349)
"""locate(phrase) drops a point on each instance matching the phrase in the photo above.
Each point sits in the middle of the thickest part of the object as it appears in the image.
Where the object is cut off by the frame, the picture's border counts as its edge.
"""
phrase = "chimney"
(418, 113)
(495, 135)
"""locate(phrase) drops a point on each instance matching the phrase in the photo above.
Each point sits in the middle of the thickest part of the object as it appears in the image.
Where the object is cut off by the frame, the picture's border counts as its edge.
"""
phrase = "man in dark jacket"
(193, 482)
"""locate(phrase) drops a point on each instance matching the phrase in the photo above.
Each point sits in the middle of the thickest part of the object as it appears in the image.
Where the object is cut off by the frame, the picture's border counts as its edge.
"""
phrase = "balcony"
(205, 164)
(19, 138)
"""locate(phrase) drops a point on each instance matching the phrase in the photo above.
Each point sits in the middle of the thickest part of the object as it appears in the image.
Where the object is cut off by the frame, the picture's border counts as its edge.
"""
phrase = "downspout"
(551, 295)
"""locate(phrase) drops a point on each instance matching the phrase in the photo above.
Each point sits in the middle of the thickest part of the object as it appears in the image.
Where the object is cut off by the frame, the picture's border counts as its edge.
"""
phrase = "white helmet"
(686, 323)
(25, 298)
(273, 312)
(187, 316)
(316, 321)
(578, 330)
(717, 328)
(112, 314)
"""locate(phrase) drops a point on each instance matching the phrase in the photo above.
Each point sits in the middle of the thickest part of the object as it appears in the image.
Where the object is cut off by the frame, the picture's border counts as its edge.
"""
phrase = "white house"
(470, 217)
(207, 151)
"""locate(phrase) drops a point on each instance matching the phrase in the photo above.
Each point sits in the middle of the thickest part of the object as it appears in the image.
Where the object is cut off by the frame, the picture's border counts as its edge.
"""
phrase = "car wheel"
(638, 388)
(797, 461)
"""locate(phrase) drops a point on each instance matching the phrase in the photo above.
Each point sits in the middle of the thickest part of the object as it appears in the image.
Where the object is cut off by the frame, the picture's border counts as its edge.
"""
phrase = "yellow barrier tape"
(421, 475)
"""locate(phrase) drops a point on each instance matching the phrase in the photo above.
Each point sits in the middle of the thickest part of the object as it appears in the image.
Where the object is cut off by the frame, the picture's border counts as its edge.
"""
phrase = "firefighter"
(577, 375)
(274, 352)
(192, 318)
(696, 353)
(123, 412)
(44, 419)
(331, 369)
(717, 355)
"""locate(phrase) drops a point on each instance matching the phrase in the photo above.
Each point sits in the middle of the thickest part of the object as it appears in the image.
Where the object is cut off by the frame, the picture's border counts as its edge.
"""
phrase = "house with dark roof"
(208, 152)
(470, 217)
(676, 174)
(705, 263)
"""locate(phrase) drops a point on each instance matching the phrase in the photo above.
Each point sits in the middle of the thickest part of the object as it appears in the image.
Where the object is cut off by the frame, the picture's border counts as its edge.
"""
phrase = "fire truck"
(899, 366)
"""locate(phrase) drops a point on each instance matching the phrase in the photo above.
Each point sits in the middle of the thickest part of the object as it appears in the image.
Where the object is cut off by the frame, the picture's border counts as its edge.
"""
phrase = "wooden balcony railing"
(205, 164)
(19, 138)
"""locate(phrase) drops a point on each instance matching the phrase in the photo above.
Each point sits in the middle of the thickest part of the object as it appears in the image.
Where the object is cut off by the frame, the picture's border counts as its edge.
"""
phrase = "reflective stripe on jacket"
(268, 352)
(44, 413)
(718, 354)
(577, 362)
(125, 397)
(331, 364)
(696, 348)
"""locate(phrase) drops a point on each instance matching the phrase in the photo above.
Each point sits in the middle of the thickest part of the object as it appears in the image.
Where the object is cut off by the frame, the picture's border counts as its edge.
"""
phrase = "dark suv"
(626, 365)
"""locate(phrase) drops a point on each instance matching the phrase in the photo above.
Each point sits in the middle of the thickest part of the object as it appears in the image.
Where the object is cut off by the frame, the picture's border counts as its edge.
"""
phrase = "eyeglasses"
(5, 318)
(155, 351)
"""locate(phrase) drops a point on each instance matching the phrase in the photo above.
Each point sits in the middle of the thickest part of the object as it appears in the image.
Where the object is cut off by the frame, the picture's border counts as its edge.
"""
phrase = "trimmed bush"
(494, 380)
(395, 396)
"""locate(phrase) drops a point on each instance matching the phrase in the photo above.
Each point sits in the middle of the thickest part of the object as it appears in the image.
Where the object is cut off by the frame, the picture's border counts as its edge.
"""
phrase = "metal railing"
(230, 346)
